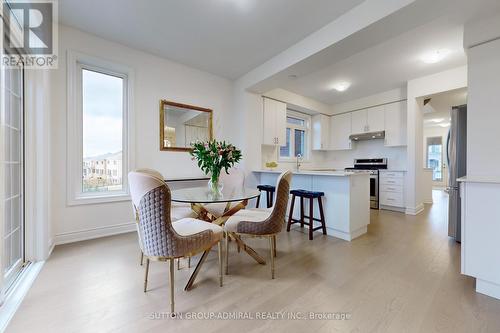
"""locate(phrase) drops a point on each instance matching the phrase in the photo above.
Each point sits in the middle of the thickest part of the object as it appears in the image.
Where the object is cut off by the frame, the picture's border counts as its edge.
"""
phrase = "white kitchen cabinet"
(368, 120)
(359, 124)
(274, 123)
(395, 124)
(340, 129)
(391, 190)
(320, 132)
(375, 119)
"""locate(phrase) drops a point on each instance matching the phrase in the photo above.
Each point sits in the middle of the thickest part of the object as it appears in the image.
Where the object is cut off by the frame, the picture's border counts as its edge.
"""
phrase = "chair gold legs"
(274, 242)
(227, 253)
(142, 258)
(172, 310)
(219, 248)
(179, 263)
(273, 253)
(146, 275)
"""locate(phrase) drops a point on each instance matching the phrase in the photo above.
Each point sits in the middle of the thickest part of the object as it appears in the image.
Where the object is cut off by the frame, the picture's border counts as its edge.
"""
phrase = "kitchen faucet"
(299, 157)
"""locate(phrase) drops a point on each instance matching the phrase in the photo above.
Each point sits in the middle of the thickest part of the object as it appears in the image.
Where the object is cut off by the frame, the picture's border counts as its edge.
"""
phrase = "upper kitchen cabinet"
(368, 120)
(359, 122)
(320, 132)
(274, 123)
(395, 124)
(340, 129)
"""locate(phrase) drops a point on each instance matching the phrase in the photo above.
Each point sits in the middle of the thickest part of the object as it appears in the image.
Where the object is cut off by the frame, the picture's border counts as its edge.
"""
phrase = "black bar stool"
(269, 189)
(311, 195)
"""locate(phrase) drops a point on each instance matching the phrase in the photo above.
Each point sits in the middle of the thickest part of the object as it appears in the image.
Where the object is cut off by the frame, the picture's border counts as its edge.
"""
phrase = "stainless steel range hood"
(367, 136)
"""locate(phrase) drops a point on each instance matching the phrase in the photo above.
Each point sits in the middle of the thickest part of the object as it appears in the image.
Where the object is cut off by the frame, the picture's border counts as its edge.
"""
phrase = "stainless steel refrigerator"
(456, 149)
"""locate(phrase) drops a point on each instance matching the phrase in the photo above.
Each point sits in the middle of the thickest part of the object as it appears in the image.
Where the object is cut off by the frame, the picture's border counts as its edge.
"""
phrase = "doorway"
(434, 158)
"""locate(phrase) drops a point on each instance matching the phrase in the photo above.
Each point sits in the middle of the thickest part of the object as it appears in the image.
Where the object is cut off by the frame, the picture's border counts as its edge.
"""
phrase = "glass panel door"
(13, 164)
(435, 157)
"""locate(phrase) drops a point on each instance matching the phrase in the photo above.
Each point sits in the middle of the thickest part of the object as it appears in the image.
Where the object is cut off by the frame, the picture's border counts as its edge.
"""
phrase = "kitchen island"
(346, 202)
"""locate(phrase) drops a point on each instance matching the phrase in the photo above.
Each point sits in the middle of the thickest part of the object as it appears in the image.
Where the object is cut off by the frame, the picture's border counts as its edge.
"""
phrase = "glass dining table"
(235, 200)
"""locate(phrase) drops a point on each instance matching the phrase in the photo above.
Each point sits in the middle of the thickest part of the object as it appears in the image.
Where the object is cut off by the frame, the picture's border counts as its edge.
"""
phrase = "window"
(297, 136)
(99, 102)
(435, 157)
(12, 191)
(102, 120)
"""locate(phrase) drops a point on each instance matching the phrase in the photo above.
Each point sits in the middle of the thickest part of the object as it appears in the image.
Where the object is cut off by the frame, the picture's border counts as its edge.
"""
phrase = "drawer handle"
(390, 199)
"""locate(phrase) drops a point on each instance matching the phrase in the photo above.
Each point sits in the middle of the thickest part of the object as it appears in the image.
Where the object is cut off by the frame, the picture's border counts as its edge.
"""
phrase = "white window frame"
(307, 128)
(76, 62)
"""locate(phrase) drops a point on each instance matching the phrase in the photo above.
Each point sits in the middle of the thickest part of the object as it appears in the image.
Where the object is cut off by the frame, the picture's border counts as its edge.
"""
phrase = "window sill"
(98, 199)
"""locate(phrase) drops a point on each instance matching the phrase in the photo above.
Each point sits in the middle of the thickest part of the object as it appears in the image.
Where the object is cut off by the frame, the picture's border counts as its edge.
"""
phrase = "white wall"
(390, 96)
(299, 102)
(483, 116)
(396, 156)
(424, 86)
(155, 78)
(480, 227)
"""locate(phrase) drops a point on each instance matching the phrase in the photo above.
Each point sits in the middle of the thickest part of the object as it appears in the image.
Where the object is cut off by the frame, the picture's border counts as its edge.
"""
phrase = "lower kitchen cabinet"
(392, 190)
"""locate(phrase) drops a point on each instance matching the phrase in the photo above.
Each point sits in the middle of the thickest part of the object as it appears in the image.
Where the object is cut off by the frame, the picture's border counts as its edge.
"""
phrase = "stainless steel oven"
(372, 165)
(374, 189)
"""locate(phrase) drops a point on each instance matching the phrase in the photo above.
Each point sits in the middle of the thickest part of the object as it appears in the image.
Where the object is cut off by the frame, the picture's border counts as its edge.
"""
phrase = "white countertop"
(480, 179)
(317, 173)
(392, 170)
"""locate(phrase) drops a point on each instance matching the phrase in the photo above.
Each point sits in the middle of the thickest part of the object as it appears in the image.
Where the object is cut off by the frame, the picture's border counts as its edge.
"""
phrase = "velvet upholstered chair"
(162, 240)
(178, 210)
(262, 222)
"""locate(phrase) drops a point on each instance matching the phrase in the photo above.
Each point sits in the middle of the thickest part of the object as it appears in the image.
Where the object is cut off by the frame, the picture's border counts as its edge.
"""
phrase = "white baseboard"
(391, 208)
(80, 235)
(415, 210)
(52, 244)
(488, 288)
(347, 236)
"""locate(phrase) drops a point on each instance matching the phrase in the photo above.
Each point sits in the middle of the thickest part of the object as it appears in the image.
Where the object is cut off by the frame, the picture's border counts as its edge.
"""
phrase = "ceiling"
(384, 55)
(386, 66)
(224, 37)
(437, 111)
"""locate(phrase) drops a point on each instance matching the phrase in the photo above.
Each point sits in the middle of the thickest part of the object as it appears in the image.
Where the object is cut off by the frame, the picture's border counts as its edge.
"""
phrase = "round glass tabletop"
(204, 195)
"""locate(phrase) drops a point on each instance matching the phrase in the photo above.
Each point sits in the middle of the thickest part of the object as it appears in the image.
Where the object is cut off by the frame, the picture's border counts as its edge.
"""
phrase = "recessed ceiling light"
(435, 56)
(445, 125)
(436, 120)
(243, 5)
(341, 86)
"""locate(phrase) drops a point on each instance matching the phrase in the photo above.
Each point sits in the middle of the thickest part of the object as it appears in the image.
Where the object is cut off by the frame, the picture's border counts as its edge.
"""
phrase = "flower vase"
(215, 186)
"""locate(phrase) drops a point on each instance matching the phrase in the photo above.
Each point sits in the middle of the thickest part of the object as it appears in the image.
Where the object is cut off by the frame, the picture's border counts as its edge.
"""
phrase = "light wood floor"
(403, 276)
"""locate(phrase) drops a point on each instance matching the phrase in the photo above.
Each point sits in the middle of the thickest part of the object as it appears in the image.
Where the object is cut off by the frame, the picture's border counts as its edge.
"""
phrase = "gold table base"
(203, 214)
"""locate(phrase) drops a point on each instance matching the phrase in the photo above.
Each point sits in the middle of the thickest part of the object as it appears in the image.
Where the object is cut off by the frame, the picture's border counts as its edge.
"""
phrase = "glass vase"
(215, 186)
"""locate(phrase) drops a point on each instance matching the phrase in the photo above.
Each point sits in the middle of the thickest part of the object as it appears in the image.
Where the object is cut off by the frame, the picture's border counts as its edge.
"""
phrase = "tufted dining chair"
(262, 222)
(178, 211)
(162, 240)
(235, 179)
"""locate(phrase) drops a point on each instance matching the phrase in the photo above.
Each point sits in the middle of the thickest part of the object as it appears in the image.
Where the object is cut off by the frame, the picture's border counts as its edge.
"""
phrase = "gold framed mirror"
(181, 124)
